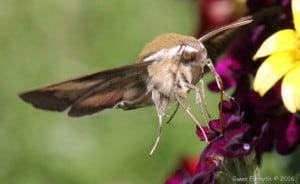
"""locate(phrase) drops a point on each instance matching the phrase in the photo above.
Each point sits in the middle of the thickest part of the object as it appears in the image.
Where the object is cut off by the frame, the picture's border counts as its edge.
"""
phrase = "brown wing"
(95, 92)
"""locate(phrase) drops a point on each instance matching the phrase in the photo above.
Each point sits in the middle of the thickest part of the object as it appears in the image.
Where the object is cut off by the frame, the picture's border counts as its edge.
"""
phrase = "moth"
(168, 68)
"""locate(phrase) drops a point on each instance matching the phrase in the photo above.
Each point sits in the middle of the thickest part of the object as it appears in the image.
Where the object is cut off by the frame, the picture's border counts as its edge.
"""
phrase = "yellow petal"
(296, 14)
(290, 89)
(273, 69)
(284, 40)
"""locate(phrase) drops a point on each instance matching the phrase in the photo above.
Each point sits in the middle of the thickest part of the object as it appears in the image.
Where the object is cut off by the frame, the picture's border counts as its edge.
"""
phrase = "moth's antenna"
(240, 22)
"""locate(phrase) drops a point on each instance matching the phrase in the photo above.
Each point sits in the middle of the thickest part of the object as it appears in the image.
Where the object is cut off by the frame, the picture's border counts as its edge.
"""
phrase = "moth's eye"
(189, 53)
(189, 56)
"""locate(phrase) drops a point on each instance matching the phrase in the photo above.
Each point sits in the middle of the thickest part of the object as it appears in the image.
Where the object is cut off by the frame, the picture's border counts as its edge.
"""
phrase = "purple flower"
(229, 138)
(237, 70)
(232, 138)
(284, 134)
(228, 70)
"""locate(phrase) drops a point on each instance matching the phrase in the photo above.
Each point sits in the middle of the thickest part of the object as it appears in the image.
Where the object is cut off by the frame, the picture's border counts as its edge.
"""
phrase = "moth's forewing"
(95, 92)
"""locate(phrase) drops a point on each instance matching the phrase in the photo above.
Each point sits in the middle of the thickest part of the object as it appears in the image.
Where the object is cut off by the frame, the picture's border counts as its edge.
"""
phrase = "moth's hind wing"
(95, 92)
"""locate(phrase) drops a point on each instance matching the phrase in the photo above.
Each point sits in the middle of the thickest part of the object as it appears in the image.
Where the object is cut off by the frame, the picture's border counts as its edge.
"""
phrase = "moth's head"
(171, 44)
(193, 53)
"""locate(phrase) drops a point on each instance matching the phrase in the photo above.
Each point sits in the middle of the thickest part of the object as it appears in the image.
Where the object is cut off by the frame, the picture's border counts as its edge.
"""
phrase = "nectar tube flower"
(283, 49)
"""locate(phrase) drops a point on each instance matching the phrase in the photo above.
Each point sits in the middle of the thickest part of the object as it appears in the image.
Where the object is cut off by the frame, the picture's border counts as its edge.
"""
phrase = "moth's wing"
(95, 92)
(216, 45)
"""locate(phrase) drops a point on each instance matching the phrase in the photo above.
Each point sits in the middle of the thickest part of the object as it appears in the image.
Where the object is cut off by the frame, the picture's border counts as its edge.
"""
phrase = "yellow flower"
(283, 49)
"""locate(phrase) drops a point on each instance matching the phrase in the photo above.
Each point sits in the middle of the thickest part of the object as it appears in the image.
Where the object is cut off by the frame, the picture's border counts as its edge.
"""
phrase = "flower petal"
(233, 143)
(287, 131)
(208, 133)
(272, 69)
(296, 14)
(284, 40)
(290, 89)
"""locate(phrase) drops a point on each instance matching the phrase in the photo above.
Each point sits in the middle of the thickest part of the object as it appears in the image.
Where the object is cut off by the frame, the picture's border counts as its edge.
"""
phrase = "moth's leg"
(125, 103)
(188, 111)
(200, 100)
(201, 95)
(160, 105)
(220, 86)
(218, 79)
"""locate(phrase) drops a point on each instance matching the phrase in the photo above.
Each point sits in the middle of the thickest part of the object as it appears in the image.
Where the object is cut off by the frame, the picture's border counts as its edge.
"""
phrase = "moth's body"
(167, 69)
(171, 73)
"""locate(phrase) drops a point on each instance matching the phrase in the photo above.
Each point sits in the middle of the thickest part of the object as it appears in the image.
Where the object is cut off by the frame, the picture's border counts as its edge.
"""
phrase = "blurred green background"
(47, 41)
